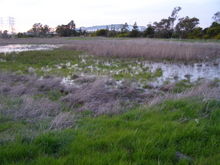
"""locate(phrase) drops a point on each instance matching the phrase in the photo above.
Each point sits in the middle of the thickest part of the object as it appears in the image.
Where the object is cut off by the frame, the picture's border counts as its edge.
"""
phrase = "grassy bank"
(182, 131)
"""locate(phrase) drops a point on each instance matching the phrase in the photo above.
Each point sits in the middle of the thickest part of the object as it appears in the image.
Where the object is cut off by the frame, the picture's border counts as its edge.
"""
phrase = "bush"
(102, 32)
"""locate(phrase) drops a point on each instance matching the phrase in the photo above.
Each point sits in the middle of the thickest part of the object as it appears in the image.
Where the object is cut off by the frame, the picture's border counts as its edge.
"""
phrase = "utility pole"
(1, 24)
(11, 23)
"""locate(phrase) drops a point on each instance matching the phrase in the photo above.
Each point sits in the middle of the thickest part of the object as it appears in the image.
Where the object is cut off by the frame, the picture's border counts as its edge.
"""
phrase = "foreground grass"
(151, 135)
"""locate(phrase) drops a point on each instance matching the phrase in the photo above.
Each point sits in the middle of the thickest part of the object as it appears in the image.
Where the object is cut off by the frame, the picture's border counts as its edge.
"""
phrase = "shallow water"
(192, 72)
(25, 47)
(171, 72)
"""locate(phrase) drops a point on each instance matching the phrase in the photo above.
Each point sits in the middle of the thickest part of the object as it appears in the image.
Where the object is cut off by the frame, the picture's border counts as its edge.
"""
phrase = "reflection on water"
(25, 47)
(192, 72)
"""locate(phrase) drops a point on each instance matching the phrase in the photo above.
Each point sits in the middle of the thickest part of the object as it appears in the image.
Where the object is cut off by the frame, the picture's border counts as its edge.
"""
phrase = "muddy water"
(25, 47)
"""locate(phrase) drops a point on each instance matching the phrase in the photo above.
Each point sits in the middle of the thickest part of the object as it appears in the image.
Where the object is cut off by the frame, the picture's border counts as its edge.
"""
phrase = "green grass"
(182, 86)
(62, 63)
(150, 135)
(36, 59)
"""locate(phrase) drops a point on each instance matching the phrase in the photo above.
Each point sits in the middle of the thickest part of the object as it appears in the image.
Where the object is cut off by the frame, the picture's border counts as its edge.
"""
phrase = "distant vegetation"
(171, 27)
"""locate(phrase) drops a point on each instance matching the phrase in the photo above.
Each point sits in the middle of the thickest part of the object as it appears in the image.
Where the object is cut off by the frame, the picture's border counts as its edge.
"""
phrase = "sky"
(101, 12)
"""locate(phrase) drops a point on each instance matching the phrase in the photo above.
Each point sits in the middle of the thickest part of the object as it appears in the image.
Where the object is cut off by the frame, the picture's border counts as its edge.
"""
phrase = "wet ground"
(154, 73)
(26, 47)
(157, 73)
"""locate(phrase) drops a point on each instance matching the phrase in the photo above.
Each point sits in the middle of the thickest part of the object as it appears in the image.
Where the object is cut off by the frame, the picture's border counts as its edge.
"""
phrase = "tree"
(124, 28)
(5, 34)
(216, 17)
(213, 31)
(39, 30)
(174, 16)
(149, 32)
(36, 29)
(67, 30)
(135, 32)
(135, 27)
(165, 28)
(186, 25)
(197, 33)
(45, 29)
(102, 32)
(64, 30)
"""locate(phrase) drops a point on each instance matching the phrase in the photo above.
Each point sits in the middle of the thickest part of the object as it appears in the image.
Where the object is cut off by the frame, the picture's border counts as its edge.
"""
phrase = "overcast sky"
(101, 12)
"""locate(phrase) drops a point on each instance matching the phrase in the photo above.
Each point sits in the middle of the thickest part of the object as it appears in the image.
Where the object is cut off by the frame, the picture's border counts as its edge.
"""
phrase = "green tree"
(39, 30)
(5, 34)
(36, 29)
(165, 28)
(45, 29)
(197, 33)
(124, 28)
(185, 26)
(64, 31)
(135, 32)
(173, 18)
(213, 31)
(102, 32)
(149, 31)
(216, 17)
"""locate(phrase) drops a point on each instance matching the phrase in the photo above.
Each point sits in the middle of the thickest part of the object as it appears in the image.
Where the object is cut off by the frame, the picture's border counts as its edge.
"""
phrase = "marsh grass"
(150, 49)
(36, 59)
(66, 63)
(140, 136)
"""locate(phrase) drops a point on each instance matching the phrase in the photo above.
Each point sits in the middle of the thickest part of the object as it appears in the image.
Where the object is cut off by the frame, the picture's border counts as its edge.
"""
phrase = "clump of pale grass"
(100, 98)
(18, 85)
(37, 109)
(63, 120)
(206, 91)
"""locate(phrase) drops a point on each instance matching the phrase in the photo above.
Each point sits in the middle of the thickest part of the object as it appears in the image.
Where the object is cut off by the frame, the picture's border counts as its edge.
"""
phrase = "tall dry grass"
(149, 49)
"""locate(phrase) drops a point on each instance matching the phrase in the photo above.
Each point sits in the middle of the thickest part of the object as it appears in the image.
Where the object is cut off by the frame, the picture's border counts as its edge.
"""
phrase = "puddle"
(191, 72)
(170, 72)
(26, 47)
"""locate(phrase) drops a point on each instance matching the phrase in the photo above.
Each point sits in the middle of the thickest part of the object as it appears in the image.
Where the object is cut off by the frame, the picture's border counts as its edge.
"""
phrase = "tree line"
(171, 27)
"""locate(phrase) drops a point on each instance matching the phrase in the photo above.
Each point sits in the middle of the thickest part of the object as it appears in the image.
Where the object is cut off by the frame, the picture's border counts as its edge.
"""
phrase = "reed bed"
(149, 49)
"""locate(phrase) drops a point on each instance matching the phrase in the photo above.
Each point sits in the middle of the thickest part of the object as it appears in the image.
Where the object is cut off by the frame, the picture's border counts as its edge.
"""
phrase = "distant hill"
(116, 27)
